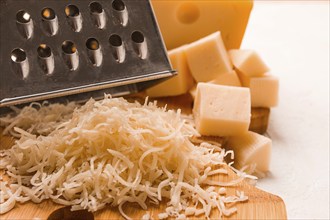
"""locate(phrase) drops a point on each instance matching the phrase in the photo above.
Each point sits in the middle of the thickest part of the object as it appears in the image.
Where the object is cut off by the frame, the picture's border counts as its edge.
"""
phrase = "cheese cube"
(264, 91)
(207, 58)
(178, 84)
(251, 149)
(222, 110)
(226, 79)
(183, 22)
(248, 62)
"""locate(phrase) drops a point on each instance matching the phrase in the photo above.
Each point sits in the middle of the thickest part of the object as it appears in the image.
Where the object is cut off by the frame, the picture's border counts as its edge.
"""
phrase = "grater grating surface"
(74, 50)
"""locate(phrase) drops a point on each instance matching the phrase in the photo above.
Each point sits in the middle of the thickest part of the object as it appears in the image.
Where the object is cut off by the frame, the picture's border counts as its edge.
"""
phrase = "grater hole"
(137, 37)
(118, 49)
(45, 59)
(20, 63)
(18, 55)
(96, 7)
(94, 52)
(92, 44)
(118, 5)
(23, 17)
(69, 47)
(115, 40)
(140, 45)
(48, 14)
(72, 11)
(44, 51)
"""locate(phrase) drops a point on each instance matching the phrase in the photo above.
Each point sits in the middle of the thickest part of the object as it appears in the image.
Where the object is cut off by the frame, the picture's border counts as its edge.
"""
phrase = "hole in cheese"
(188, 13)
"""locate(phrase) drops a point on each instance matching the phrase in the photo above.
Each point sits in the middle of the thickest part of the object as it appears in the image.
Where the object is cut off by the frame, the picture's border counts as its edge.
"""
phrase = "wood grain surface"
(261, 205)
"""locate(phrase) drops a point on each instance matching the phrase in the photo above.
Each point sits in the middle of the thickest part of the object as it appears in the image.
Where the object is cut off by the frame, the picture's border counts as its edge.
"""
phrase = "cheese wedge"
(221, 110)
(248, 62)
(226, 79)
(178, 84)
(251, 149)
(207, 58)
(183, 22)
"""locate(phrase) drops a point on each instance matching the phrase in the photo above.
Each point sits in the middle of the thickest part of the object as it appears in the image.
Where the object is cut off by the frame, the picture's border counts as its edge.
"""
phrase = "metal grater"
(77, 49)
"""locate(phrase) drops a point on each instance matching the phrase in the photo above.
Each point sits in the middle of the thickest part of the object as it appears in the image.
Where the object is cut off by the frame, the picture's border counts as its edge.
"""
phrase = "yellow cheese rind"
(251, 148)
(183, 22)
(179, 84)
(222, 110)
(207, 58)
(264, 91)
(248, 62)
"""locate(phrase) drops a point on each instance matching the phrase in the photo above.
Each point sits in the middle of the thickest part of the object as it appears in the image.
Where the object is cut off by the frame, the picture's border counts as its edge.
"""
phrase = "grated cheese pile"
(115, 152)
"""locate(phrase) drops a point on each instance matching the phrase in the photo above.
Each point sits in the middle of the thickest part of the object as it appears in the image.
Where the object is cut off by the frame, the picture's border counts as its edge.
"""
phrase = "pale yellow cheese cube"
(178, 84)
(207, 58)
(264, 91)
(222, 110)
(183, 22)
(226, 79)
(251, 149)
(248, 62)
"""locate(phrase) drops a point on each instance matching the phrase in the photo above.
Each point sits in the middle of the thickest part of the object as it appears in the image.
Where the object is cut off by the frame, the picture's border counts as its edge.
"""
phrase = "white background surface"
(293, 39)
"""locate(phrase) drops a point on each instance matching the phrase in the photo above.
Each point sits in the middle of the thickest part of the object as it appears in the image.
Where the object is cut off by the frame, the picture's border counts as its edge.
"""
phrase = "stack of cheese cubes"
(229, 84)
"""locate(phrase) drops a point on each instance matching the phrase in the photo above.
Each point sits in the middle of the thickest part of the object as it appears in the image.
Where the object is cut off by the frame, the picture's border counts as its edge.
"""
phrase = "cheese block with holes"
(183, 22)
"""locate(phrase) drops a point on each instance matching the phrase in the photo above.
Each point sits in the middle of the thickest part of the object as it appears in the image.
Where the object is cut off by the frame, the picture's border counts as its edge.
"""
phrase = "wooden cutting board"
(261, 205)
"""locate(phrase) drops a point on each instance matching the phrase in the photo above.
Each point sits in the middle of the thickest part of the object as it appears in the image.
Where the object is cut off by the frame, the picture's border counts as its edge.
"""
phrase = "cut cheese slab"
(178, 84)
(222, 110)
(183, 22)
(264, 91)
(226, 79)
(251, 149)
(248, 62)
(207, 58)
